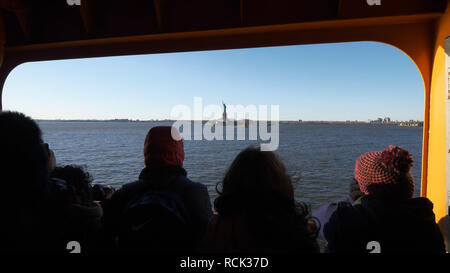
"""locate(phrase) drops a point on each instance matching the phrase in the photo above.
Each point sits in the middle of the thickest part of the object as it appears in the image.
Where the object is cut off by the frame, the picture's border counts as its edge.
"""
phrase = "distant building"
(387, 120)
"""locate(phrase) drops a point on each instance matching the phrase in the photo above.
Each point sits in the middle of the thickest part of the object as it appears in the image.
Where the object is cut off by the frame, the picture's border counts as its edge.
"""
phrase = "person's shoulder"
(189, 184)
(130, 185)
(347, 210)
(345, 206)
(126, 190)
(193, 190)
(421, 201)
(420, 207)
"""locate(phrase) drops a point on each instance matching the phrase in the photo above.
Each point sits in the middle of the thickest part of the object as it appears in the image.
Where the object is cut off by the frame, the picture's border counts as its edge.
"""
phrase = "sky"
(344, 81)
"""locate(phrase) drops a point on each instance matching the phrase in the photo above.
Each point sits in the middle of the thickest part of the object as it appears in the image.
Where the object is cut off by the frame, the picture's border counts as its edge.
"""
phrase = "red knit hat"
(385, 173)
(163, 145)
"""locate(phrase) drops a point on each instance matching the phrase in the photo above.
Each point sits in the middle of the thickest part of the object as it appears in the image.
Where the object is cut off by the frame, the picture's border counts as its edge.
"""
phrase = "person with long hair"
(256, 209)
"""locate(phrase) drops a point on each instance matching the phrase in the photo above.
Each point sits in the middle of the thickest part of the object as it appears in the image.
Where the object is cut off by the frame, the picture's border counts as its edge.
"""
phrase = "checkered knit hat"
(385, 173)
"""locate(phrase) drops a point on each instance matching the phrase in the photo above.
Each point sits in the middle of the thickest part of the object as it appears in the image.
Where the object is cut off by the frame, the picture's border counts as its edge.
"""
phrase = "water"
(320, 158)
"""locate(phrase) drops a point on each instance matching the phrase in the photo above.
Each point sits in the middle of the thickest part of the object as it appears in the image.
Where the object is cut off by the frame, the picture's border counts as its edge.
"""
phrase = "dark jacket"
(84, 226)
(398, 226)
(324, 213)
(168, 178)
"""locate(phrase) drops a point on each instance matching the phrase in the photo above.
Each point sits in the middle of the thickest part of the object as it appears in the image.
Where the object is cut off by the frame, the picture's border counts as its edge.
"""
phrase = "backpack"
(156, 221)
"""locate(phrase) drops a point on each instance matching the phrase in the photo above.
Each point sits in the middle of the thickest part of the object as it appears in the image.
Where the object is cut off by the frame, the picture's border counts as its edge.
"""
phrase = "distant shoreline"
(399, 123)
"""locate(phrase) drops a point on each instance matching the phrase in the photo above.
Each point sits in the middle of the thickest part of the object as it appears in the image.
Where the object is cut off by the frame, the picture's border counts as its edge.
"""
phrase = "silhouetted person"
(80, 217)
(164, 210)
(387, 213)
(257, 211)
(24, 179)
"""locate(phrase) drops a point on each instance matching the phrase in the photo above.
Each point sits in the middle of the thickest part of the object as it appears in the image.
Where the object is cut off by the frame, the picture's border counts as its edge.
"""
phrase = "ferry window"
(335, 102)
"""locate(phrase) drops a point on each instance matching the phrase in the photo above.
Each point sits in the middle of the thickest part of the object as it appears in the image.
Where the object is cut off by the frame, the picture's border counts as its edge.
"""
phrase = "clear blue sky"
(347, 81)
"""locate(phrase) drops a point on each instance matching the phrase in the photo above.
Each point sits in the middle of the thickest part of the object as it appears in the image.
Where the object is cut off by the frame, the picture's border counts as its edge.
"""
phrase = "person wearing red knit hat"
(162, 147)
(387, 215)
(163, 211)
(386, 173)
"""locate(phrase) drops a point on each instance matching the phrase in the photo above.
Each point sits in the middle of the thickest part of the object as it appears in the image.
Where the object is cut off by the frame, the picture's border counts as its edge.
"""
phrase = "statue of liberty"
(224, 115)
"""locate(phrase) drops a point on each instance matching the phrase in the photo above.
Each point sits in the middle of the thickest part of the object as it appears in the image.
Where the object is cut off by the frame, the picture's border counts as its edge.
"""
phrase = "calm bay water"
(320, 158)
